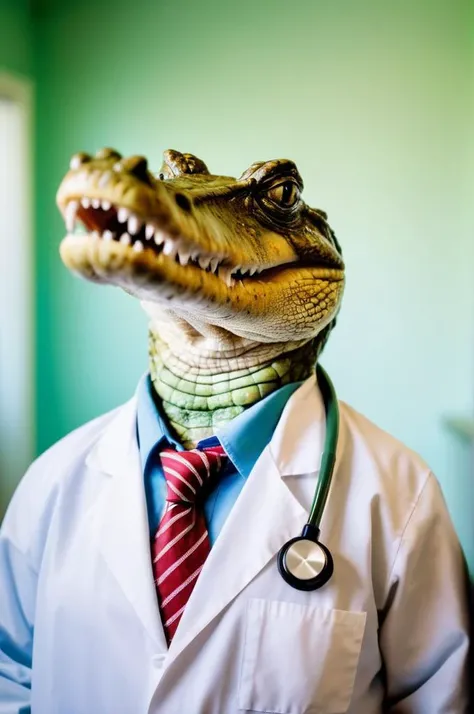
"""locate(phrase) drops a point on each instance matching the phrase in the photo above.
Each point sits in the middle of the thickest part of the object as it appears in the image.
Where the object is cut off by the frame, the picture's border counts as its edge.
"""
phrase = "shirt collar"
(244, 438)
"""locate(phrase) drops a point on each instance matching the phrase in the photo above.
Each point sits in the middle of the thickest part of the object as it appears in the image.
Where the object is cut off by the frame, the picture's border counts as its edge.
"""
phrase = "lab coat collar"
(298, 441)
(107, 455)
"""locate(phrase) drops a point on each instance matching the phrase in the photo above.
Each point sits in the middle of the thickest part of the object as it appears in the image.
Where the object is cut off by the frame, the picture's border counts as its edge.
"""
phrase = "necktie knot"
(187, 473)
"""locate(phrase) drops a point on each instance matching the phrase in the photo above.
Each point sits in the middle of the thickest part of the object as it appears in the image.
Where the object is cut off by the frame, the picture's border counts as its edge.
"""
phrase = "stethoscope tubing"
(304, 562)
(328, 458)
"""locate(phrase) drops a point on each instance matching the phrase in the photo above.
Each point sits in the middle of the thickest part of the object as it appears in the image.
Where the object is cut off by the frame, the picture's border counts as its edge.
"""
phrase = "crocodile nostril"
(138, 166)
(183, 201)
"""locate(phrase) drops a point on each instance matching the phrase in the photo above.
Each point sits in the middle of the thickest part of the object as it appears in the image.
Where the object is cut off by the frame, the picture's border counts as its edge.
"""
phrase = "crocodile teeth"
(85, 202)
(159, 238)
(169, 248)
(134, 225)
(225, 274)
(138, 246)
(149, 231)
(71, 211)
(204, 261)
(184, 258)
(108, 235)
(214, 264)
(95, 203)
(105, 205)
(125, 239)
(122, 215)
(248, 270)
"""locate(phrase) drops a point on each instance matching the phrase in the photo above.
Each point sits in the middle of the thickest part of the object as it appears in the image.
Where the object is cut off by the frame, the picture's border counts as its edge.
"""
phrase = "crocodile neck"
(201, 391)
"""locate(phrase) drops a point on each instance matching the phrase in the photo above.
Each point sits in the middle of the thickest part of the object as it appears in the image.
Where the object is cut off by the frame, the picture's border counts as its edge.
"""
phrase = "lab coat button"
(158, 660)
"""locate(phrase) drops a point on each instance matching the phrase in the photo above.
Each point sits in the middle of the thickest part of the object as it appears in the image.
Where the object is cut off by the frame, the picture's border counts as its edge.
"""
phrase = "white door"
(16, 290)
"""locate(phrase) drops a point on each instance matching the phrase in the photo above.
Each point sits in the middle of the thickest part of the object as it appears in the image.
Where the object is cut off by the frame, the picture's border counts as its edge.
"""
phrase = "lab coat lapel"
(124, 534)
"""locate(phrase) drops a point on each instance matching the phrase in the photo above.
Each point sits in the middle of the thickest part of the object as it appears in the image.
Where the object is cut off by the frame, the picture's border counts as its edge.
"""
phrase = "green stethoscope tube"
(328, 458)
(304, 562)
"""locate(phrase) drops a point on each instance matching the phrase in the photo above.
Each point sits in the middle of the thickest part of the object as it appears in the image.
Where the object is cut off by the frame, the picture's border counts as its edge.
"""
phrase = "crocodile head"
(246, 256)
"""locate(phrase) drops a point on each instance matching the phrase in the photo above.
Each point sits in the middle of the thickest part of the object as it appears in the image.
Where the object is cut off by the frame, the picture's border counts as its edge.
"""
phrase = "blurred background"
(374, 100)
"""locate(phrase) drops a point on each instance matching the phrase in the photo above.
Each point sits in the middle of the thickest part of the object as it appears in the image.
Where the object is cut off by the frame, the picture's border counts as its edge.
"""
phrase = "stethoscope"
(304, 562)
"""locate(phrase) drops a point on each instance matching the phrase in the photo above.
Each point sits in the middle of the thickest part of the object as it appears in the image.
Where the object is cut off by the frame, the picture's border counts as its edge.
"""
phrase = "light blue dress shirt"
(243, 439)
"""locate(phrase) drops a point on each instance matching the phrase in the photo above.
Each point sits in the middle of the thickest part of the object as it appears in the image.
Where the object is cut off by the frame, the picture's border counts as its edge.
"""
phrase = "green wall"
(15, 37)
(372, 100)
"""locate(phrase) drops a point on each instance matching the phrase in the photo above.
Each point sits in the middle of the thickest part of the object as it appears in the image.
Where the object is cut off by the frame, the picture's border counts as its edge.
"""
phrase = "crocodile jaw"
(253, 287)
(294, 304)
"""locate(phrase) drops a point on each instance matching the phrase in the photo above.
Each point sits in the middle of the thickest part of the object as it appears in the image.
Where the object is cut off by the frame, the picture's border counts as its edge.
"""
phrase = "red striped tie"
(181, 543)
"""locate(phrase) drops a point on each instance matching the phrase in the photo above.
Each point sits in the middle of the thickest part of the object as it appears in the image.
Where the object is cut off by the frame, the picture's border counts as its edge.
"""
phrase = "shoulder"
(392, 485)
(375, 443)
(362, 445)
(383, 466)
(57, 481)
(55, 462)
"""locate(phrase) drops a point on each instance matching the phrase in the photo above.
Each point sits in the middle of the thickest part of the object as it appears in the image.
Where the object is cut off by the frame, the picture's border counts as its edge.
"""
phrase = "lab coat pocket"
(299, 659)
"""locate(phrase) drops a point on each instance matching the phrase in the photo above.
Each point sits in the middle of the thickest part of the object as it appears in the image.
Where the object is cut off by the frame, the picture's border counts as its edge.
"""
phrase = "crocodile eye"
(285, 194)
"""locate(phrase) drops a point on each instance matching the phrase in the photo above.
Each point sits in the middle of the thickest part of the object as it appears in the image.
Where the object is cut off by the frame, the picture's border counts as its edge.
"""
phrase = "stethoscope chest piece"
(305, 564)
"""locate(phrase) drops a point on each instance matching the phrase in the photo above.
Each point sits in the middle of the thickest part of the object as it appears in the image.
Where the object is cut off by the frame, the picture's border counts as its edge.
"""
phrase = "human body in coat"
(242, 282)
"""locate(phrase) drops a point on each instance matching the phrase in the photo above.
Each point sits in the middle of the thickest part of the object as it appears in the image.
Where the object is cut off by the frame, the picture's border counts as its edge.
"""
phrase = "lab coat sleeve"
(21, 544)
(17, 601)
(424, 632)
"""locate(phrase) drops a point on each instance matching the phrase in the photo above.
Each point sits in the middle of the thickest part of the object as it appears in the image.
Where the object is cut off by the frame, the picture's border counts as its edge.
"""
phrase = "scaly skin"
(240, 278)
(198, 401)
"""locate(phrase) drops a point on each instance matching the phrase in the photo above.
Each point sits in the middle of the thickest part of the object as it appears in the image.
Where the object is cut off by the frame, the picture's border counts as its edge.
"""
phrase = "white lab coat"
(76, 545)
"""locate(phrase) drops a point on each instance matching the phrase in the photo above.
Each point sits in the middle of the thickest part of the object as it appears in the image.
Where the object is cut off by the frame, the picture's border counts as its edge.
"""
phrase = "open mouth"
(102, 220)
